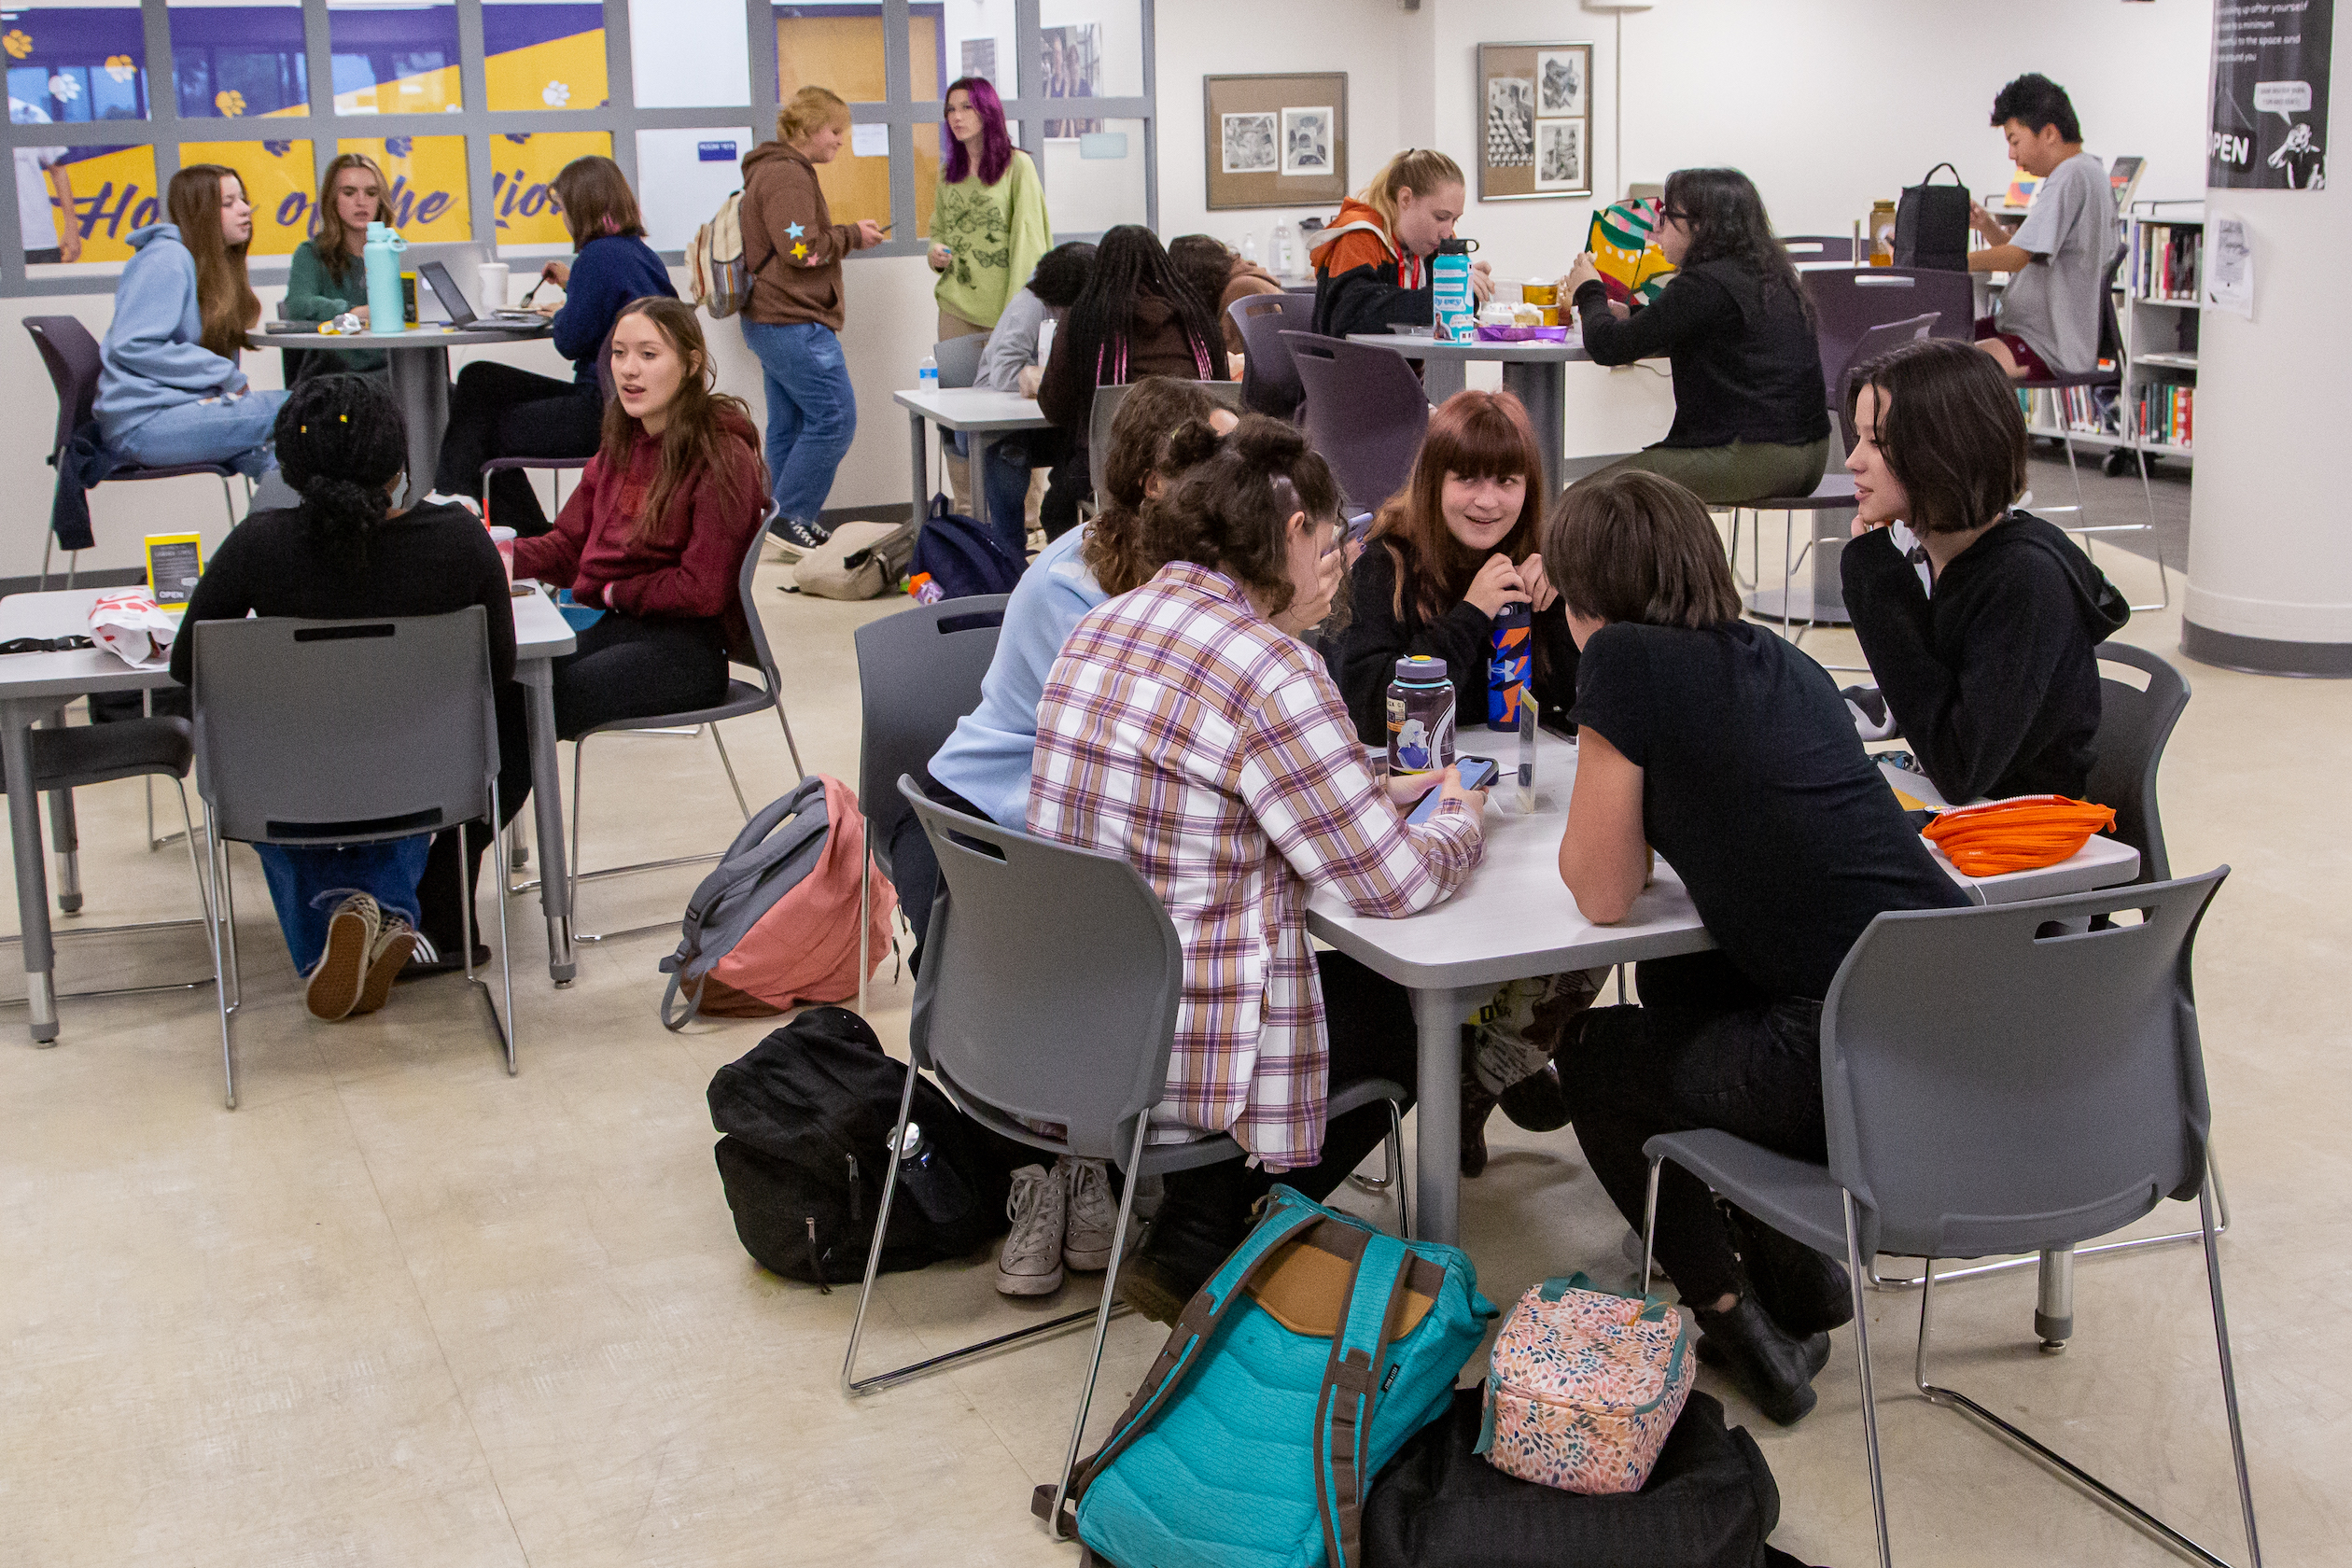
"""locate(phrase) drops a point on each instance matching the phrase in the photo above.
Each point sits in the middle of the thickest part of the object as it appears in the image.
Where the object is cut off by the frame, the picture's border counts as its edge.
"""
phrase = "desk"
(419, 360)
(1515, 919)
(1536, 372)
(984, 414)
(33, 687)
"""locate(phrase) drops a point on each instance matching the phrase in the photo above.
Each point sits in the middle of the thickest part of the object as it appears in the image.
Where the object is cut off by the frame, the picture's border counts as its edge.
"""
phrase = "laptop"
(461, 315)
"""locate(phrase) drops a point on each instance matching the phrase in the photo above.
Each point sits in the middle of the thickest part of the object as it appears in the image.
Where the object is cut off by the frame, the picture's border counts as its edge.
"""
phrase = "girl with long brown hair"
(170, 391)
(325, 277)
(656, 531)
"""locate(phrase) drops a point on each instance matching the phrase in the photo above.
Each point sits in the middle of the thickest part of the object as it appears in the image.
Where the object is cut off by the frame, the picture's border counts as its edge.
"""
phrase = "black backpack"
(1710, 1503)
(805, 1115)
(1931, 225)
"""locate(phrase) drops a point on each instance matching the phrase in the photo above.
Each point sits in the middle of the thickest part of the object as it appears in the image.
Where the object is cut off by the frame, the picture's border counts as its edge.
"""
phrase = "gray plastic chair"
(1270, 383)
(1106, 409)
(1367, 412)
(1048, 996)
(919, 672)
(347, 732)
(959, 359)
(1989, 1089)
(742, 698)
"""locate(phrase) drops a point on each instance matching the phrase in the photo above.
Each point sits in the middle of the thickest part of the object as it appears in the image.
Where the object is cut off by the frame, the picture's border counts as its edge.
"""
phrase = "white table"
(976, 411)
(1515, 919)
(35, 687)
(1535, 371)
(419, 361)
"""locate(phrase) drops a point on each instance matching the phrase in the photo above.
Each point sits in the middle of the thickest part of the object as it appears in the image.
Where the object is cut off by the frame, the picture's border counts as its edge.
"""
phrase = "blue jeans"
(231, 431)
(1005, 481)
(811, 412)
(308, 880)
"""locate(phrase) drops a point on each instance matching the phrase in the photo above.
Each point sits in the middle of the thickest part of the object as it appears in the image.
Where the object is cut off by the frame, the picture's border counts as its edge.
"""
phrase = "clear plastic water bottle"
(1285, 252)
(926, 375)
(1249, 247)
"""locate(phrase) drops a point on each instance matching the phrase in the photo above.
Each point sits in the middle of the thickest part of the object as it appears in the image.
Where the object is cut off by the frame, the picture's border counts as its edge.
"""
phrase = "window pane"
(240, 61)
(521, 168)
(394, 60)
(1090, 48)
(979, 43)
(859, 186)
(112, 191)
(278, 181)
(75, 64)
(831, 43)
(683, 177)
(686, 53)
(927, 158)
(427, 173)
(543, 54)
(1095, 179)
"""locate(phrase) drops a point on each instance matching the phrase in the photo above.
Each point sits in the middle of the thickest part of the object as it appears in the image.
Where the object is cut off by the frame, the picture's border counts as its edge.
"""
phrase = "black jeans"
(1071, 482)
(1369, 1020)
(439, 915)
(915, 869)
(628, 666)
(1705, 1049)
(497, 410)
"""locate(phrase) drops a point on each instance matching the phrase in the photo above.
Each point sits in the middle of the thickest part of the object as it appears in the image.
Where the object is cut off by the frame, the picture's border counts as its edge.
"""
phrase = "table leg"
(538, 676)
(1442, 378)
(420, 384)
(65, 840)
(976, 462)
(1437, 1018)
(32, 874)
(1542, 384)
(918, 440)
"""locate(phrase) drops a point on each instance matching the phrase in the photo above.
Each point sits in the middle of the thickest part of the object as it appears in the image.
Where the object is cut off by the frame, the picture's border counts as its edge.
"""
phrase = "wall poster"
(1534, 103)
(2271, 65)
(1276, 141)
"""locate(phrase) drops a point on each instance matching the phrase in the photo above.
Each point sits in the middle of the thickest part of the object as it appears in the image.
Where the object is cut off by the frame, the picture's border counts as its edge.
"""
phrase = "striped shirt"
(1182, 730)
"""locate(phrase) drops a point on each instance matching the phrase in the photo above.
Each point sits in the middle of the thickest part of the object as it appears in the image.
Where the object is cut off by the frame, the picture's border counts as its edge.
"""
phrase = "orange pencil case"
(2020, 835)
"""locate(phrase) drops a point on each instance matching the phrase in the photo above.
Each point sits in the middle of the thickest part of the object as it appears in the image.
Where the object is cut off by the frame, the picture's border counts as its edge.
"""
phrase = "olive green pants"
(1739, 474)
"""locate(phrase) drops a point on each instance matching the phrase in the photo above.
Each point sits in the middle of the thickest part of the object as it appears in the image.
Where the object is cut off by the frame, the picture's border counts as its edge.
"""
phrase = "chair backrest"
(1270, 383)
(2110, 330)
(762, 654)
(919, 672)
(1803, 248)
(2017, 1076)
(1365, 412)
(2134, 722)
(340, 731)
(1874, 341)
(74, 363)
(1106, 409)
(959, 359)
(1848, 301)
(1050, 984)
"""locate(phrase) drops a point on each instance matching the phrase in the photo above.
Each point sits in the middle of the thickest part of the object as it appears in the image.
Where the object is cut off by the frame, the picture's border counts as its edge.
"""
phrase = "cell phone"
(1358, 525)
(1476, 774)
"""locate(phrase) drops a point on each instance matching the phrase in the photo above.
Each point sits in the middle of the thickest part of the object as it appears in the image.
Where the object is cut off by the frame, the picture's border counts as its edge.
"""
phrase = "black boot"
(1537, 1101)
(1772, 1369)
(1805, 1291)
(1182, 1248)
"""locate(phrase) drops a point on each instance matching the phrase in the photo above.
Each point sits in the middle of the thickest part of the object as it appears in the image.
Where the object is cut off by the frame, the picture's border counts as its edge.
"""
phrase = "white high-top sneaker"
(1094, 1215)
(1031, 1261)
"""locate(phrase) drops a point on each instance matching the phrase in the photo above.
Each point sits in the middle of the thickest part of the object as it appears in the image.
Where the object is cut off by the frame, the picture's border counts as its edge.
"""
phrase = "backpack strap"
(1352, 1390)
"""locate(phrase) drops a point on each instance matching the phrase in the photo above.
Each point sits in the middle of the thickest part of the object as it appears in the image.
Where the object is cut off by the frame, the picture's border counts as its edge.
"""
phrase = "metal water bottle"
(1506, 670)
(1455, 302)
(1421, 719)
(382, 256)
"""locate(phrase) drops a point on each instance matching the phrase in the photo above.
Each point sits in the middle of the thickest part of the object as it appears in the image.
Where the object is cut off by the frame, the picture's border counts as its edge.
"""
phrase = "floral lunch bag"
(1583, 1386)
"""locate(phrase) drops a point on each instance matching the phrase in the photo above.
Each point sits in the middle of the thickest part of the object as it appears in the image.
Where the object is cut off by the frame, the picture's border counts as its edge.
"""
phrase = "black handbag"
(1931, 225)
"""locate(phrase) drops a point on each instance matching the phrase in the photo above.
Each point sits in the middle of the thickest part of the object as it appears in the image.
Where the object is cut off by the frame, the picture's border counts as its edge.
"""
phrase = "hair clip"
(344, 417)
(302, 430)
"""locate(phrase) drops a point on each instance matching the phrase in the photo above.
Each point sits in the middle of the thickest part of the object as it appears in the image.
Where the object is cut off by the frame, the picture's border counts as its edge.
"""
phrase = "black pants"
(1071, 482)
(438, 916)
(915, 869)
(628, 666)
(497, 410)
(1705, 1049)
(1369, 1020)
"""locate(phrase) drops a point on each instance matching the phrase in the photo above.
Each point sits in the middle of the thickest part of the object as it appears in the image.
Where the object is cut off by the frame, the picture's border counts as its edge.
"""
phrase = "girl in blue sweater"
(169, 388)
(498, 410)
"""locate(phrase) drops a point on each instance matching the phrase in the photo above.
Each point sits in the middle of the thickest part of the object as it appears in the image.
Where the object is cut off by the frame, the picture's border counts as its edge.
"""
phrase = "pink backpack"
(1583, 1386)
(774, 925)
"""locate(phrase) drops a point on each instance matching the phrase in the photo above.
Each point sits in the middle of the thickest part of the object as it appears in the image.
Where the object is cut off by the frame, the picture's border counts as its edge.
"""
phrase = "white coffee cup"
(1045, 339)
(504, 539)
(491, 278)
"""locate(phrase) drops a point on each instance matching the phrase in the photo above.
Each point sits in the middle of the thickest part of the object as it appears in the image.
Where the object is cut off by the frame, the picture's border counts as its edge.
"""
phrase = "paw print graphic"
(122, 67)
(230, 103)
(63, 87)
(397, 146)
(277, 150)
(556, 96)
(17, 42)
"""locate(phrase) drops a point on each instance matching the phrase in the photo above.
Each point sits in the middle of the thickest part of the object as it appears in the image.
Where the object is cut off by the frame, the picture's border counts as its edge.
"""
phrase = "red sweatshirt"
(690, 574)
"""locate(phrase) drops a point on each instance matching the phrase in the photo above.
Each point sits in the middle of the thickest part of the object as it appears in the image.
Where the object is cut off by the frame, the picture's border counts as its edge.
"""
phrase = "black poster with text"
(2270, 94)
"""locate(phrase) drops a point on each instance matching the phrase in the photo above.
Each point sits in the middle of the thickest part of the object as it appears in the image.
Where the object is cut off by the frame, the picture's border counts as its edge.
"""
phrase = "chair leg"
(728, 762)
(2156, 545)
(1870, 1394)
(48, 543)
(1397, 1175)
(2207, 1195)
(865, 926)
(1102, 1328)
(789, 744)
(205, 896)
(229, 928)
(578, 809)
(73, 565)
(1649, 1228)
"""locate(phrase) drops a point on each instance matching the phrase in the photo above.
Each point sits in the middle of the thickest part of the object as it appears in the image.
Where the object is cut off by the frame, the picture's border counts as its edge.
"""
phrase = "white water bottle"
(1286, 261)
(926, 375)
(1249, 247)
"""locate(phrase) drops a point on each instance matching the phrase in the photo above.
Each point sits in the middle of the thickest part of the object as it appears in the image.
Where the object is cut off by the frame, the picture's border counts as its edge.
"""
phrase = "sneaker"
(1094, 1216)
(1031, 1261)
(396, 939)
(795, 539)
(425, 960)
(334, 984)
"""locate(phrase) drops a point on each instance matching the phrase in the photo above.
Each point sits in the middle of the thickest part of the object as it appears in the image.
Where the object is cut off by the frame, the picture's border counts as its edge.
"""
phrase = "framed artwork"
(1275, 140)
(1536, 103)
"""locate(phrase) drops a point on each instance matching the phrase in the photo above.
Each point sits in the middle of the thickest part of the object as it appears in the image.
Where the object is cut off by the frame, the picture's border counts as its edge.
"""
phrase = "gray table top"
(432, 334)
(974, 407)
(1536, 353)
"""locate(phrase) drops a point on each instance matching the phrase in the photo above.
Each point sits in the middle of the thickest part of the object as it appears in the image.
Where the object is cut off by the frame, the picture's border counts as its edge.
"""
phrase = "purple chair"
(1269, 382)
(1804, 248)
(1365, 412)
(1849, 301)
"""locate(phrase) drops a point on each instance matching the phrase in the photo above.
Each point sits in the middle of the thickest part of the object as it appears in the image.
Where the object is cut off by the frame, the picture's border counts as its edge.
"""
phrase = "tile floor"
(399, 1308)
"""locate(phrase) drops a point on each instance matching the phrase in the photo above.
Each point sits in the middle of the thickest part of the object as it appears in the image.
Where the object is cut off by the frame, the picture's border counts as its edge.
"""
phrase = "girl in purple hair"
(988, 226)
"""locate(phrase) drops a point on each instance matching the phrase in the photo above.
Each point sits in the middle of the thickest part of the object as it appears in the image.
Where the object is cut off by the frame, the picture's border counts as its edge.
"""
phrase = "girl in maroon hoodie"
(655, 534)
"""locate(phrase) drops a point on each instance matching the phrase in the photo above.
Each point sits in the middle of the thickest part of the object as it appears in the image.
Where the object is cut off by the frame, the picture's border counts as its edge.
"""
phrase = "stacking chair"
(1270, 383)
(919, 672)
(346, 732)
(1803, 248)
(1048, 997)
(959, 359)
(1367, 412)
(555, 467)
(741, 698)
(72, 357)
(1106, 409)
(1989, 1089)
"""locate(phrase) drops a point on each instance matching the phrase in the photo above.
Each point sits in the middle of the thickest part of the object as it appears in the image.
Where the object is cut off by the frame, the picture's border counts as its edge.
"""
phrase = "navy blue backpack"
(959, 557)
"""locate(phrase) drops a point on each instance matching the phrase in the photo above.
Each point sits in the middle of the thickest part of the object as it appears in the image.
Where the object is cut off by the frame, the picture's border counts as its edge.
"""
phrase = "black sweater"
(425, 561)
(1364, 660)
(1747, 366)
(1994, 679)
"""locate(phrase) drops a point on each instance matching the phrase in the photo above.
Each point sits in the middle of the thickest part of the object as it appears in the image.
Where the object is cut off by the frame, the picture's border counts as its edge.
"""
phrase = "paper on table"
(869, 140)
(2230, 268)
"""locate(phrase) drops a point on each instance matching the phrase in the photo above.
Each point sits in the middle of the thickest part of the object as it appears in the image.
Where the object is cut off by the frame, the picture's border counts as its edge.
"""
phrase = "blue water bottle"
(1456, 304)
(381, 255)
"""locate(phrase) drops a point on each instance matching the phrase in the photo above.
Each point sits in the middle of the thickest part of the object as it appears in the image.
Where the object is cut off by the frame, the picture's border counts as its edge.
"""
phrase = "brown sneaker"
(334, 985)
(394, 945)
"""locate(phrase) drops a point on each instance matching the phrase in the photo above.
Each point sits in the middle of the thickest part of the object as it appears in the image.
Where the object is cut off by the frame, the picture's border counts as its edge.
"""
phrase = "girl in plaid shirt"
(1187, 727)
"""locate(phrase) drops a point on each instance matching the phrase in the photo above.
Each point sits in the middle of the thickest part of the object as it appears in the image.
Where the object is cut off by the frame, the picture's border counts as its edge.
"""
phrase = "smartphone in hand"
(1476, 774)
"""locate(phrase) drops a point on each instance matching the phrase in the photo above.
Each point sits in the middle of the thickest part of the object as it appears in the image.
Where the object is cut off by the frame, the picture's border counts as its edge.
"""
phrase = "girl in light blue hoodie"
(170, 391)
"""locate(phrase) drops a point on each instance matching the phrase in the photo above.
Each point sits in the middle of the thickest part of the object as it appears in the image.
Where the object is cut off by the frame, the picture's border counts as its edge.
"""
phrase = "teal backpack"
(1295, 1374)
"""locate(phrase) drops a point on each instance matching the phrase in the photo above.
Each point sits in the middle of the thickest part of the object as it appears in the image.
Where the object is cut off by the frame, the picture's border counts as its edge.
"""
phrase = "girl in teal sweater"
(325, 277)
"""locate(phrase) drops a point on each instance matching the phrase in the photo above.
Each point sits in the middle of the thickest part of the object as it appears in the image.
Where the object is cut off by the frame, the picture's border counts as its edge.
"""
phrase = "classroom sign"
(2271, 65)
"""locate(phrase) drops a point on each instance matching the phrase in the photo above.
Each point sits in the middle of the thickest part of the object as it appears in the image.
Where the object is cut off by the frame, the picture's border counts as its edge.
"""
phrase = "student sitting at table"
(1187, 727)
(1750, 417)
(1135, 318)
(1011, 363)
(2057, 260)
(1221, 275)
(351, 912)
(501, 411)
(327, 275)
(656, 532)
(169, 388)
(1372, 264)
(1988, 659)
(1728, 749)
(1445, 557)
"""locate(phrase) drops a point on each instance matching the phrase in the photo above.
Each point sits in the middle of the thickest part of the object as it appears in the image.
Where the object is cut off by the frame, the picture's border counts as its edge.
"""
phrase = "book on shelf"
(2083, 410)
(2167, 413)
(2166, 259)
